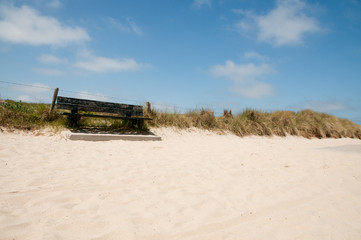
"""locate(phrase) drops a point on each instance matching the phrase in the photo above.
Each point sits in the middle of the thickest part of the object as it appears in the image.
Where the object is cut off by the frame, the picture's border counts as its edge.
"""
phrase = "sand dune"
(191, 185)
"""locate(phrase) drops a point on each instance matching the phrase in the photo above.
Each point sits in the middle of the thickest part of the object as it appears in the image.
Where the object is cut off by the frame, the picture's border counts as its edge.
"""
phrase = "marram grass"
(306, 123)
(28, 116)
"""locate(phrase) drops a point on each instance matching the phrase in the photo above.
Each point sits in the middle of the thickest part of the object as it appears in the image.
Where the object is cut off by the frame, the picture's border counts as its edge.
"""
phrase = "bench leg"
(73, 119)
(140, 124)
(137, 124)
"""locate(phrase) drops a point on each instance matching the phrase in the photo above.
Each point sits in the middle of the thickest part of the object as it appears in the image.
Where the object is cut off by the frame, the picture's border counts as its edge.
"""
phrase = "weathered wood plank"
(98, 106)
(106, 116)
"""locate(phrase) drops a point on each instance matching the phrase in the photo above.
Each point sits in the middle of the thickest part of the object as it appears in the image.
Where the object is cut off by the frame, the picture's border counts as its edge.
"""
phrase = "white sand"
(191, 185)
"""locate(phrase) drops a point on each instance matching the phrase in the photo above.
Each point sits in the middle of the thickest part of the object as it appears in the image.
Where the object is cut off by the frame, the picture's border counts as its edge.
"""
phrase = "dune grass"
(28, 116)
(306, 123)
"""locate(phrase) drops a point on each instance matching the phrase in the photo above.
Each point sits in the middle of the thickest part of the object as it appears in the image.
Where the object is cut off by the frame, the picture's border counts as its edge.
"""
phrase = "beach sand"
(191, 185)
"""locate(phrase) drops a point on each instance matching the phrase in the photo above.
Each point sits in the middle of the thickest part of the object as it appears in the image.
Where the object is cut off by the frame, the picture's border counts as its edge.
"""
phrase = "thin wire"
(175, 107)
(98, 95)
(27, 85)
(68, 91)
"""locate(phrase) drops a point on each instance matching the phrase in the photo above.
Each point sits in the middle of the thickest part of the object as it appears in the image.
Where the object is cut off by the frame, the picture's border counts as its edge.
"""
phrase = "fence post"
(148, 107)
(56, 90)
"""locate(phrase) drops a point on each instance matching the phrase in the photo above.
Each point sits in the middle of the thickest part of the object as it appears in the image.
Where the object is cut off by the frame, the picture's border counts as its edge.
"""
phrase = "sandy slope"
(191, 185)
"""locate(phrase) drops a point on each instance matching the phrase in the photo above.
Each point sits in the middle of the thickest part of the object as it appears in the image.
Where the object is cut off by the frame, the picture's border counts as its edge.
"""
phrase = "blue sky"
(179, 55)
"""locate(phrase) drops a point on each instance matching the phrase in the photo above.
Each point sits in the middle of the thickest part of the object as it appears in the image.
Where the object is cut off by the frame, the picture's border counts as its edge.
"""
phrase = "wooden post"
(148, 107)
(56, 90)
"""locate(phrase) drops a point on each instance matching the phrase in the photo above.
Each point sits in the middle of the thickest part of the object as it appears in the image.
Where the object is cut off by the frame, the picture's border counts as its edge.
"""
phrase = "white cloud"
(48, 71)
(25, 25)
(245, 78)
(256, 90)
(241, 72)
(201, 3)
(50, 59)
(103, 64)
(287, 24)
(322, 106)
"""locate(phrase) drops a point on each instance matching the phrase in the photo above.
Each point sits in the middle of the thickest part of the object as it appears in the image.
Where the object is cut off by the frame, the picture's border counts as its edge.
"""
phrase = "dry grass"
(27, 116)
(306, 123)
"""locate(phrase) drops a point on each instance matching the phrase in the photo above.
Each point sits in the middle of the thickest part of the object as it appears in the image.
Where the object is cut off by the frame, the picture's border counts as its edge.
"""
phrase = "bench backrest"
(75, 104)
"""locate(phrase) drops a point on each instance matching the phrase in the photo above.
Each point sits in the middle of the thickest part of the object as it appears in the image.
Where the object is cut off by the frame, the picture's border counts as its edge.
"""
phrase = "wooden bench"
(79, 108)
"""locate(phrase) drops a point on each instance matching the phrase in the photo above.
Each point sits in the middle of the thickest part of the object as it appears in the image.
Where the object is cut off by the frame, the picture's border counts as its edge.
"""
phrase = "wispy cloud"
(134, 27)
(3, 49)
(33, 88)
(241, 72)
(201, 3)
(255, 90)
(128, 26)
(118, 25)
(91, 96)
(24, 25)
(102, 64)
(246, 78)
(247, 24)
(48, 71)
(287, 24)
(165, 107)
(255, 55)
(54, 4)
(37, 93)
(51, 59)
(322, 106)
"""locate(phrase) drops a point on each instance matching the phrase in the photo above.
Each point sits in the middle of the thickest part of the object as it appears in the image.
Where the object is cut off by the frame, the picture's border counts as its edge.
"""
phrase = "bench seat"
(79, 108)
